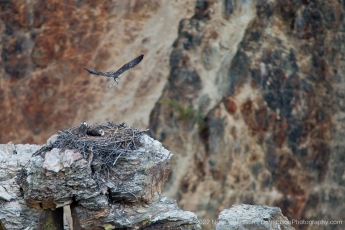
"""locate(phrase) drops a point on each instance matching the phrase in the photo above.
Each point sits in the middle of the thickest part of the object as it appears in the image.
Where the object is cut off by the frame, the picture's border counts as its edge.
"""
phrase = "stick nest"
(118, 139)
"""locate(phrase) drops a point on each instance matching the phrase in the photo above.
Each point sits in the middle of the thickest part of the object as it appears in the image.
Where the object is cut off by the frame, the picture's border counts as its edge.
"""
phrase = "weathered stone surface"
(4, 195)
(252, 217)
(58, 178)
(162, 213)
(14, 213)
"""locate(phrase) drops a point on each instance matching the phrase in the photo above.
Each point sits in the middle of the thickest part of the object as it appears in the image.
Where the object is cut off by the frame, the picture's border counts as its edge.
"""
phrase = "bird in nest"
(85, 130)
(117, 74)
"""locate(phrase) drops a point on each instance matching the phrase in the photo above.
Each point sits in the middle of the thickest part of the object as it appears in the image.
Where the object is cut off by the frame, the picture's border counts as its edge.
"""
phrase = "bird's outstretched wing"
(96, 72)
(116, 75)
(126, 67)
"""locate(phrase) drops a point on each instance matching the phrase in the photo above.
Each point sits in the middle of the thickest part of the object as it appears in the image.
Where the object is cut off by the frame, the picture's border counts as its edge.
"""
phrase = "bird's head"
(101, 131)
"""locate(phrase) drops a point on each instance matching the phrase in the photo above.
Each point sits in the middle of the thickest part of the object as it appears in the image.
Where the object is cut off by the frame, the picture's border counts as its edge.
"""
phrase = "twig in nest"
(117, 158)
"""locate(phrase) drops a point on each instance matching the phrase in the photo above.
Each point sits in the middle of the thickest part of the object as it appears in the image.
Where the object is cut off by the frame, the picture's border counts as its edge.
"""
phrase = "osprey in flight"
(117, 74)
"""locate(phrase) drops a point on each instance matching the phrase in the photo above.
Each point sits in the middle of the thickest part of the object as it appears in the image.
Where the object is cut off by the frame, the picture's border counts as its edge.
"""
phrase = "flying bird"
(117, 74)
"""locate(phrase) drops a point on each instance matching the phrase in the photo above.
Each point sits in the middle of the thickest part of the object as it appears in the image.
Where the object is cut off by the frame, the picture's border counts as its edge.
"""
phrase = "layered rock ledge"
(110, 180)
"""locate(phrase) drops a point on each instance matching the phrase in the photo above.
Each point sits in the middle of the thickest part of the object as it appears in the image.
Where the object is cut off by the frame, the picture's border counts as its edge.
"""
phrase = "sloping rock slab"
(252, 217)
(162, 213)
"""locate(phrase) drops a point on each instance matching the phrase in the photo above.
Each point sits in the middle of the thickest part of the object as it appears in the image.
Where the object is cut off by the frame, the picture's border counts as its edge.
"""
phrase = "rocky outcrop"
(252, 217)
(37, 181)
(123, 194)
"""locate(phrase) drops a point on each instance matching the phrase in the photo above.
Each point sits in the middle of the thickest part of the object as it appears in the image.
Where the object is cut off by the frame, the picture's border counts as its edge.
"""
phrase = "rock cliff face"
(249, 95)
(256, 111)
(46, 44)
